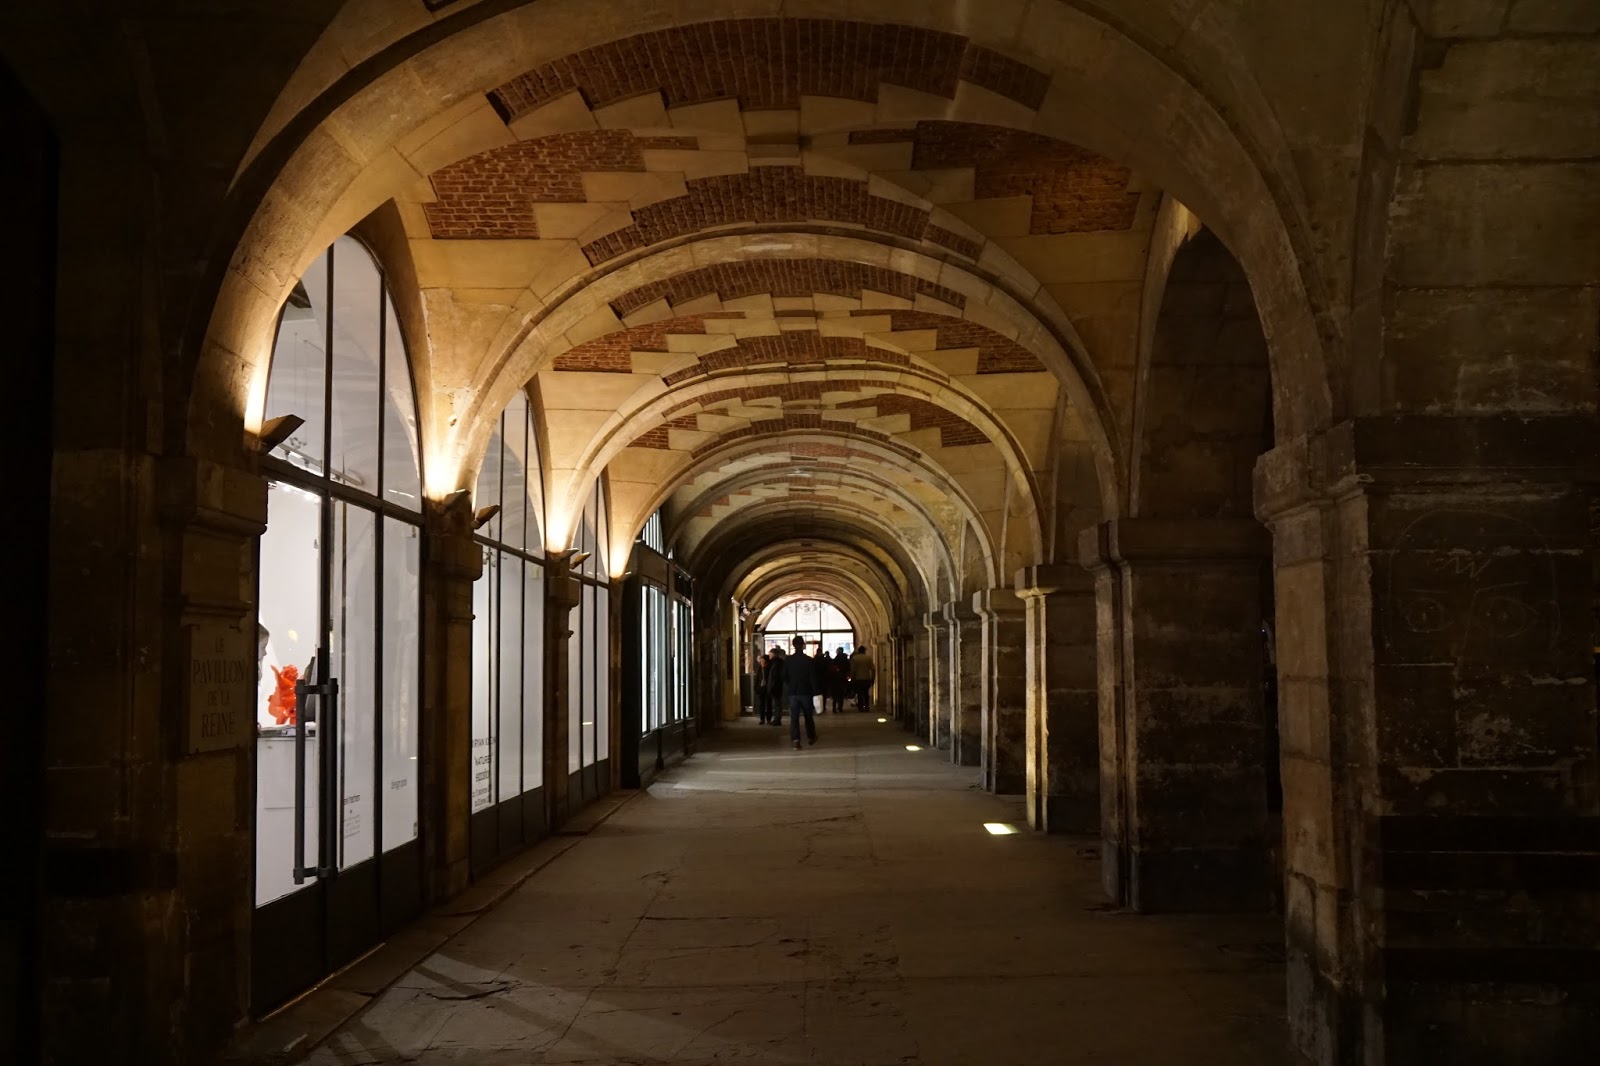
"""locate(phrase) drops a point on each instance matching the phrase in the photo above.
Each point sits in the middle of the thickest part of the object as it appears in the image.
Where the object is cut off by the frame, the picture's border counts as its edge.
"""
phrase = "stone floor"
(838, 905)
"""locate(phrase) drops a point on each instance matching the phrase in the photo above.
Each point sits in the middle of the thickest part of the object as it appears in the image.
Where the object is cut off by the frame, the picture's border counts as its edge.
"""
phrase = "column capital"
(997, 603)
(207, 495)
(1417, 451)
(1035, 581)
(1127, 540)
(958, 611)
(449, 547)
(934, 620)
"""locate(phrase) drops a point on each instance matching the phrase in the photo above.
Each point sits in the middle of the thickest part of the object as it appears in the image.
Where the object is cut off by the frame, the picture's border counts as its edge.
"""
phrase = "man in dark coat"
(800, 678)
(775, 680)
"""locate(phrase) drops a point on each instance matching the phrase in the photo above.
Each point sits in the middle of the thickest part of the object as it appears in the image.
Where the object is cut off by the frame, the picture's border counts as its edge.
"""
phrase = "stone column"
(966, 683)
(940, 696)
(563, 592)
(1004, 714)
(1184, 784)
(451, 562)
(1063, 758)
(148, 777)
(916, 681)
(1437, 708)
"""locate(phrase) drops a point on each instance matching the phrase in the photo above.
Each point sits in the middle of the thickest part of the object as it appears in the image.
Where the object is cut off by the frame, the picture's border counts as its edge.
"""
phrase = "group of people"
(808, 683)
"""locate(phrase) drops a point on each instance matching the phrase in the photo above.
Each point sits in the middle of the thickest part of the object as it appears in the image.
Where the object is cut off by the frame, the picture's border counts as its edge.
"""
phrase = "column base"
(1071, 814)
(1197, 880)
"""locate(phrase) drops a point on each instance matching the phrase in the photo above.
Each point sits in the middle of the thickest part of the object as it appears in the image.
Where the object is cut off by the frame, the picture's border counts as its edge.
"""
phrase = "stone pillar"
(563, 592)
(451, 562)
(916, 681)
(941, 712)
(146, 894)
(966, 683)
(1063, 757)
(1004, 714)
(1437, 708)
(1181, 652)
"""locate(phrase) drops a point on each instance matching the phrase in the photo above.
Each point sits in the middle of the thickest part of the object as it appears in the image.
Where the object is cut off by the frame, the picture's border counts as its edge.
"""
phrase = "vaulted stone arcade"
(1184, 411)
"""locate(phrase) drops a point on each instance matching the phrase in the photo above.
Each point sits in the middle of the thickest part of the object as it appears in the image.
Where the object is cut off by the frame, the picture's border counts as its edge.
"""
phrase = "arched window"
(338, 605)
(819, 621)
(508, 642)
(589, 655)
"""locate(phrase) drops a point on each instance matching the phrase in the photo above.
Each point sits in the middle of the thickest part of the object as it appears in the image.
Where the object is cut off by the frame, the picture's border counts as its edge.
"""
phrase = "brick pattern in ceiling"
(954, 431)
(997, 354)
(492, 193)
(610, 354)
(769, 64)
(806, 422)
(1073, 190)
(772, 194)
(790, 348)
(783, 277)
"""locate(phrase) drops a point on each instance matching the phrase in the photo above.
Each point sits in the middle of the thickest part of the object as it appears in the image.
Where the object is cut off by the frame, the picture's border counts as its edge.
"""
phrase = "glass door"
(337, 861)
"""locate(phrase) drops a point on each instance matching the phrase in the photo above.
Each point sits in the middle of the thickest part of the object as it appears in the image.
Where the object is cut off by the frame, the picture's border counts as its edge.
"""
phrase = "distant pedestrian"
(838, 679)
(758, 685)
(800, 679)
(862, 674)
(777, 677)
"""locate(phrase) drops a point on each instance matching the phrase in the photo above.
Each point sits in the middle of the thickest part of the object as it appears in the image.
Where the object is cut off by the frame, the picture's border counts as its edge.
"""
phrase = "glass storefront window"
(401, 725)
(508, 618)
(340, 578)
(352, 644)
(819, 621)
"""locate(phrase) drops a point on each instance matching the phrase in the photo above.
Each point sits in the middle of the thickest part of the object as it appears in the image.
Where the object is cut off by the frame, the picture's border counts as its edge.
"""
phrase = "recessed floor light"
(913, 747)
(1000, 829)
(883, 719)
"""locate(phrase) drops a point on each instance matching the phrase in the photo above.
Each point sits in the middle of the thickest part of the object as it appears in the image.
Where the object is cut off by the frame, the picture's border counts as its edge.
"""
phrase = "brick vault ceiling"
(905, 137)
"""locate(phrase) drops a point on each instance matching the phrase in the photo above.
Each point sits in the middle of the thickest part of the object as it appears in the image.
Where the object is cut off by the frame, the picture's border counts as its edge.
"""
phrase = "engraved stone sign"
(222, 682)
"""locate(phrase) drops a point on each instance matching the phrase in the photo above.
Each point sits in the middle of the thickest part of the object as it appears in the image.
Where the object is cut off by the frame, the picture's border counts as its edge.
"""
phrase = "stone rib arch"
(770, 474)
(1267, 241)
(785, 571)
(628, 426)
(740, 546)
(1040, 326)
(885, 582)
(939, 571)
(763, 477)
(764, 443)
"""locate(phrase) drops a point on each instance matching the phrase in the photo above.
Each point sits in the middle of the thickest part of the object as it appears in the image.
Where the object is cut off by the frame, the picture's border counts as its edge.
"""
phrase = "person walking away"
(862, 674)
(758, 682)
(838, 679)
(776, 687)
(819, 679)
(800, 680)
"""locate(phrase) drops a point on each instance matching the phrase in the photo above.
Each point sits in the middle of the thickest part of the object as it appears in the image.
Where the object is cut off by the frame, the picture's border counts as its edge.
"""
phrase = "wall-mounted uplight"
(578, 559)
(275, 431)
(913, 747)
(1000, 829)
(484, 515)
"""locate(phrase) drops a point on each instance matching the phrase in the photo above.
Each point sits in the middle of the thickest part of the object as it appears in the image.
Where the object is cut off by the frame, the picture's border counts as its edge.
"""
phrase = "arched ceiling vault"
(709, 246)
(852, 581)
(932, 559)
(794, 465)
(735, 555)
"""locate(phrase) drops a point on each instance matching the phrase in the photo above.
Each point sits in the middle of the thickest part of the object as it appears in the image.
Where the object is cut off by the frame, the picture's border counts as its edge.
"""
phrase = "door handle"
(328, 694)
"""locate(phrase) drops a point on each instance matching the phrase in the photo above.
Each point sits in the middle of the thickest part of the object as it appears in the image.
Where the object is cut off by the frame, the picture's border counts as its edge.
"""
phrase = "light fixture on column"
(456, 502)
(274, 431)
(577, 559)
(484, 514)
